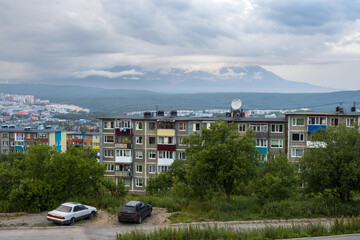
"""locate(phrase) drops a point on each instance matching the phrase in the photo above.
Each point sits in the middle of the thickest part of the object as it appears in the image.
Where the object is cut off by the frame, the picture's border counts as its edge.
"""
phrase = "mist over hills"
(227, 79)
(120, 100)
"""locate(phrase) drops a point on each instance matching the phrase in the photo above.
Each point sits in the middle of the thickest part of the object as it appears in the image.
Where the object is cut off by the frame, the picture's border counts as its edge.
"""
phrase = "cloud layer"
(312, 41)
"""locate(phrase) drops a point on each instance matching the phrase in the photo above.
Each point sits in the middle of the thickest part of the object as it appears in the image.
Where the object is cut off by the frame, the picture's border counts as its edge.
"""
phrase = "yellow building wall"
(166, 132)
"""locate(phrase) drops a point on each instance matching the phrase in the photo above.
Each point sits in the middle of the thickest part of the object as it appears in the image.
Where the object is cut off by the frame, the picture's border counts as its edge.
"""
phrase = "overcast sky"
(315, 41)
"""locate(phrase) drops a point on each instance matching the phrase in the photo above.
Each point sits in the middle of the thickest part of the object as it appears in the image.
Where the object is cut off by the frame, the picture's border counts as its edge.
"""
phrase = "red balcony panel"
(77, 140)
(123, 131)
(43, 139)
(165, 147)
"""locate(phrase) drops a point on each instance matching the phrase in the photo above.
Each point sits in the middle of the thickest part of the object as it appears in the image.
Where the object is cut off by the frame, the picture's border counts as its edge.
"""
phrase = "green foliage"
(219, 158)
(277, 180)
(42, 178)
(335, 166)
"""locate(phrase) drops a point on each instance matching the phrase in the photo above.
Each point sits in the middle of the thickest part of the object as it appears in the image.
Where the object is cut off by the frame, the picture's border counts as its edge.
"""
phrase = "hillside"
(119, 100)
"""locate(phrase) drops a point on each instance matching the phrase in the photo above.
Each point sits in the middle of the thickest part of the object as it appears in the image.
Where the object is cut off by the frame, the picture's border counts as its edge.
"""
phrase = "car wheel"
(92, 215)
(149, 215)
(139, 220)
(72, 221)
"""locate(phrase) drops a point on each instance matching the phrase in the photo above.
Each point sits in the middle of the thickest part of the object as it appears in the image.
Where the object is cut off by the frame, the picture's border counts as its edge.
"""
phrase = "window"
(166, 125)
(139, 126)
(152, 140)
(123, 124)
(139, 168)
(42, 135)
(5, 135)
(165, 140)
(5, 143)
(208, 125)
(139, 182)
(334, 122)
(28, 136)
(12, 135)
(196, 127)
(5, 151)
(152, 155)
(276, 128)
(181, 141)
(297, 152)
(261, 142)
(276, 143)
(163, 169)
(350, 122)
(182, 126)
(108, 153)
(298, 137)
(123, 139)
(259, 127)
(109, 167)
(123, 153)
(139, 140)
(152, 169)
(108, 125)
(317, 121)
(152, 125)
(166, 154)
(139, 154)
(298, 121)
(182, 155)
(242, 128)
(108, 139)
(126, 182)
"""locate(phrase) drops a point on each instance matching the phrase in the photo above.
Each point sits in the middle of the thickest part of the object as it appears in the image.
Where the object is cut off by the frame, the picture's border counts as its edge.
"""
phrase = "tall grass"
(340, 226)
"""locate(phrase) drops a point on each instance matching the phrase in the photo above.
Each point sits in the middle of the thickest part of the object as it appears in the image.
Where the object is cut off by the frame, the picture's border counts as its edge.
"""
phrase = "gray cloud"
(45, 39)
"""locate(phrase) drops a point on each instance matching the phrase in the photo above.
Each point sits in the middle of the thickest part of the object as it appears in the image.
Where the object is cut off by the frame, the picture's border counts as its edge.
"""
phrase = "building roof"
(84, 133)
(209, 119)
(14, 130)
(324, 113)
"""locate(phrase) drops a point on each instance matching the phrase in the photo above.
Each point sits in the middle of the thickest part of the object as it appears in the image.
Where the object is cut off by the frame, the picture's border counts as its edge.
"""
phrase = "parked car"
(68, 213)
(134, 211)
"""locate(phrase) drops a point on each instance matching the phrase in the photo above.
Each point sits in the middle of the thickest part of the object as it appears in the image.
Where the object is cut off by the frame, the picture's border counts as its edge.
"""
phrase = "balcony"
(166, 147)
(315, 144)
(123, 132)
(316, 128)
(124, 159)
(123, 145)
(166, 132)
(165, 161)
(124, 174)
(77, 140)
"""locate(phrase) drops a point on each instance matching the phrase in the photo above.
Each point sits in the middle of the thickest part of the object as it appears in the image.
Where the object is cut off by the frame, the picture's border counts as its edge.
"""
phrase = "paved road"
(109, 233)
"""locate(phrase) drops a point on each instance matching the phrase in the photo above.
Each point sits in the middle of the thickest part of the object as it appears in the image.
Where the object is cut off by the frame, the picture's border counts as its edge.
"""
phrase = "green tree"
(277, 180)
(334, 162)
(219, 158)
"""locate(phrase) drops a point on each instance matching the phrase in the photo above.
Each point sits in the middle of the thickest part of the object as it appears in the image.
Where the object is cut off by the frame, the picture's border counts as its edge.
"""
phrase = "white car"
(68, 213)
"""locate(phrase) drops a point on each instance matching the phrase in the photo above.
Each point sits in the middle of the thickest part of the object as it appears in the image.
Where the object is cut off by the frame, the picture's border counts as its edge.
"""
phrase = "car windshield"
(128, 209)
(63, 208)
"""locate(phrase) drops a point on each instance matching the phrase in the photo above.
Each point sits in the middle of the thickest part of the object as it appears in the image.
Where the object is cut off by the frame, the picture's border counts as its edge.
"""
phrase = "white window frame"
(301, 137)
(139, 140)
(5, 143)
(139, 182)
(152, 169)
(296, 119)
(165, 140)
(109, 167)
(163, 169)
(123, 153)
(279, 145)
(152, 153)
(317, 120)
(106, 140)
(196, 127)
(258, 127)
(165, 154)
(123, 124)
(294, 152)
(242, 127)
(108, 124)
(107, 153)
(139, 126)
(139, 155)
(182, 155)
(139, 168)
(154, 139)
(350, 122)
(183, 128)
(277, 128)
(181, 140)
(262, 142)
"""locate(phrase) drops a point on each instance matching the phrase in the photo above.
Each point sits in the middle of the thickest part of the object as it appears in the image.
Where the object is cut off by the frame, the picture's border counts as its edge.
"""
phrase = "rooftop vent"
(173, 113)
(147, 114)
(228, 114)
(160, 113)
(339, 109)
(353, 108)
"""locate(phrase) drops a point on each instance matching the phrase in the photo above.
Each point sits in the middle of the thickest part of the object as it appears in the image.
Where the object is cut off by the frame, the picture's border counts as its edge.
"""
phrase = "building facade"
(139, 147)
(19, 139)
(88, 140)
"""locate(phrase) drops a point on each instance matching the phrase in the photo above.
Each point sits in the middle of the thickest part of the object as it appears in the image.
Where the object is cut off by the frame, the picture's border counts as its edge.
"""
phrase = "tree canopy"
(334, 164)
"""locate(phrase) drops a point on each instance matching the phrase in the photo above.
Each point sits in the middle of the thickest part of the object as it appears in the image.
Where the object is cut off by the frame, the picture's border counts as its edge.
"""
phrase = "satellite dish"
(236, 104)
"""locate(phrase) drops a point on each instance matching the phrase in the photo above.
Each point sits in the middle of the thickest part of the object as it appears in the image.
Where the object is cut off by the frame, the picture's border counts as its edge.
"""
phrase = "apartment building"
(19, 139)
(88, 140)
(138, 147)
(301, 124)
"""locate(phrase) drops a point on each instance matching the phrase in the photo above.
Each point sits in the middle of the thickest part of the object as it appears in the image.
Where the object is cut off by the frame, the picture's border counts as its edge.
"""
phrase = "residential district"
(136, 147)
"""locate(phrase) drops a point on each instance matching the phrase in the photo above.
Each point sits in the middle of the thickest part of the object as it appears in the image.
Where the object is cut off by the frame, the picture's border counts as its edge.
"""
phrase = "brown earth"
(159, 217)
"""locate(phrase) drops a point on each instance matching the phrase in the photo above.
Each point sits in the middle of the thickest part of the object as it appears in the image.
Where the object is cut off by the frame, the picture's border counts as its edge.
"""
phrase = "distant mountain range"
(120, 100)
(227, 79)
